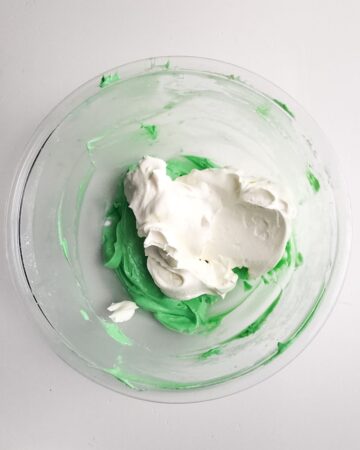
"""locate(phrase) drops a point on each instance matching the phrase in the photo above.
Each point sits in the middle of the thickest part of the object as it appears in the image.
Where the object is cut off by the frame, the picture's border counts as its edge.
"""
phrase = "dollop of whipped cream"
(122, 311)
(200, 226)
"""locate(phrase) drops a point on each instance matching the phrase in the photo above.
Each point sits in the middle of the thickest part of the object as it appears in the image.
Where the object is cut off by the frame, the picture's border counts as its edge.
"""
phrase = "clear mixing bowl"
(68, 180)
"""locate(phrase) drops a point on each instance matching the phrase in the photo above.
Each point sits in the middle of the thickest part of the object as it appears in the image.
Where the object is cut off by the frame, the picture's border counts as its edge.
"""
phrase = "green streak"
(247, 286)
(84, 314)
(284, 107)
(141, 382)
(299, 259)
(117, 373)
(90, 146)
(256, 325)
(263, 110)
(314, 182)
(249, 330)
(170, 105)
(62, 240)
(151, 130)
(233, 77)
(115, 333)
(211, 352)
(167, 65)
(282, 346)
(106, 80)
(83, 187)
(177, 167)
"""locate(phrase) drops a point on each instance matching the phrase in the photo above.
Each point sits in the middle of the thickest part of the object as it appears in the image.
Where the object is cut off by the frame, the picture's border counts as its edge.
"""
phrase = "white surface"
(311, 49)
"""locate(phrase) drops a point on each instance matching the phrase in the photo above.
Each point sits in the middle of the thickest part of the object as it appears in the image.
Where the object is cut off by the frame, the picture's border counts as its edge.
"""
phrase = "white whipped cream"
(122, 311)
(200, 226)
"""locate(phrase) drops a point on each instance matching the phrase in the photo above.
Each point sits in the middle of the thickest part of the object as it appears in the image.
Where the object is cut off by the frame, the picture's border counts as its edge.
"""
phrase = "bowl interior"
(201, 108)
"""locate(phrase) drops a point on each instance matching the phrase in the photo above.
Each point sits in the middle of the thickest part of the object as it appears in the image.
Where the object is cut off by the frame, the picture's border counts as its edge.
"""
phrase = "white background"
(312, 50)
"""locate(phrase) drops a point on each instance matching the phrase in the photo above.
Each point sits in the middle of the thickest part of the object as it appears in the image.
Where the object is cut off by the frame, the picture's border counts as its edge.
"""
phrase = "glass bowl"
(68, 180)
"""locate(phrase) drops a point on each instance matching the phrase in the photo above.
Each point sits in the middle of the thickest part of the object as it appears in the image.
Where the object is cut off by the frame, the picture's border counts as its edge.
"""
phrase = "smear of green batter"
(212, 352)
(177, 167)
(115, 333)
(150, 130)
(299, 259)
(282, 346)
(257, 324)
(251, 329)
(62, 240)
(285, 261)
(170, 105)
(84, 314)
(117, 373)
(90, 146)
(285, 107)
(233, 77)
(314, 182)
(106, 80)
(263, 110)
(83, 187)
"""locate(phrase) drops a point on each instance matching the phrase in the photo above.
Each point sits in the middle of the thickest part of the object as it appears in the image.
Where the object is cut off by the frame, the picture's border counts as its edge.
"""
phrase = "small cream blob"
(122, 311)
(200, 226)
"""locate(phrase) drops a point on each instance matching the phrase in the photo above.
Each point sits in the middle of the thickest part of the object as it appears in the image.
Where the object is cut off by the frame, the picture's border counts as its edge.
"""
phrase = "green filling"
(314, 182)
(247, 286)
(285, 107)
(242, 273)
